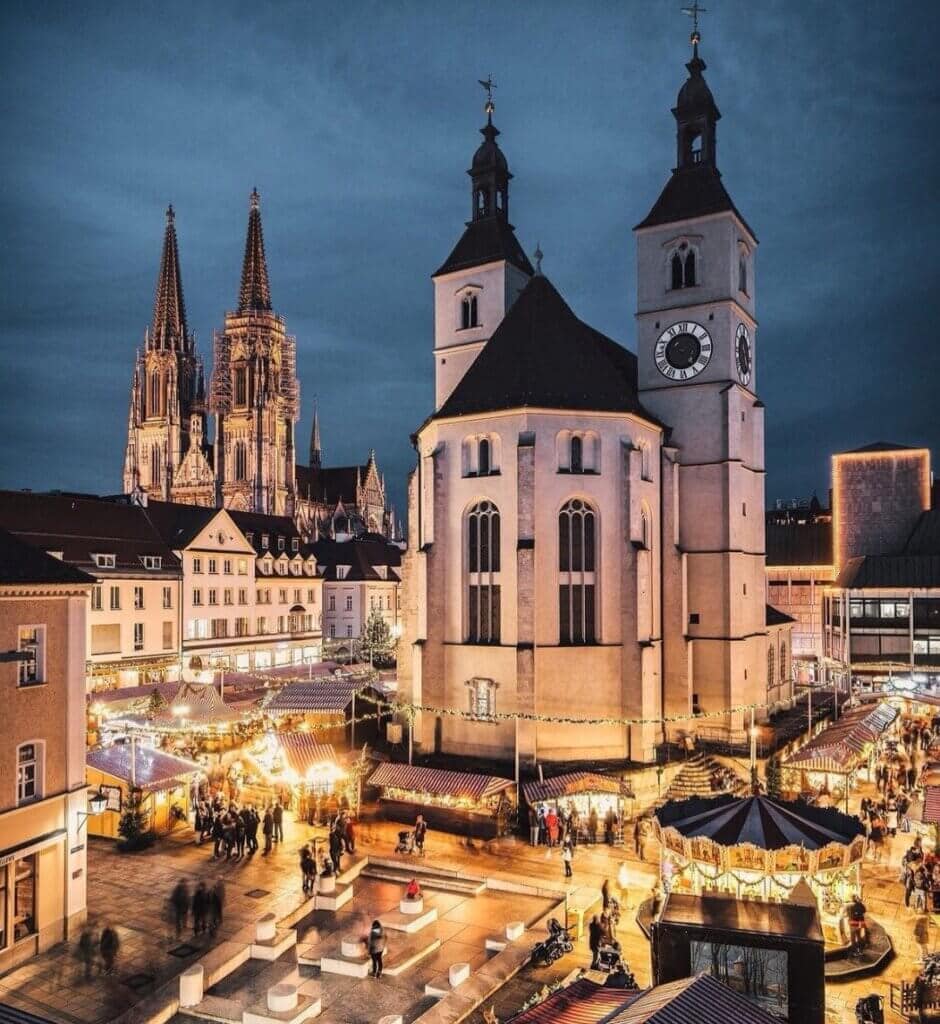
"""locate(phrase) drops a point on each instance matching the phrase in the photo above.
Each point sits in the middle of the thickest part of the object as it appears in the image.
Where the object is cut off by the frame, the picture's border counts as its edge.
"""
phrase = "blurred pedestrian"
(180, 900)
(110, 945)
(200, 908)
(216, 906)
(268, 829)
(86, 951)
(278, 818)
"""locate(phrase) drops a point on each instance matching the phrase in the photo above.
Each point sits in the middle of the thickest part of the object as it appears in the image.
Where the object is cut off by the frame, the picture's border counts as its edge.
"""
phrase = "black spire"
(489, 173)
(169, 312)
(696, 116)
(254, 294)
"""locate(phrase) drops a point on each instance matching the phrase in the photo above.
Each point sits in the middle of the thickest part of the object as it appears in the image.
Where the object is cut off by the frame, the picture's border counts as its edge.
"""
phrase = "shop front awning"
(845, 744)
(931, 812)
(302, 753)
(573, 784)
(438, 782)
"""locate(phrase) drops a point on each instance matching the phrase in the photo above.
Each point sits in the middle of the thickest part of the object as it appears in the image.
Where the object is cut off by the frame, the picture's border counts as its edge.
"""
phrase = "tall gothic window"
(154, 409)
(483, 609)
(682, 267)
(155, 465)
(241, 386)
(483, 462)
(783, 662)
(676, 270)
(241, 461)
(468, 312)
(689, 279)
(576, 573)
(770, 664)
(576, 462)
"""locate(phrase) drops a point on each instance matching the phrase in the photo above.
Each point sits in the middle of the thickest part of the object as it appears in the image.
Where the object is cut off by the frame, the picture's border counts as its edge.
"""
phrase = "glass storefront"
(24, 897)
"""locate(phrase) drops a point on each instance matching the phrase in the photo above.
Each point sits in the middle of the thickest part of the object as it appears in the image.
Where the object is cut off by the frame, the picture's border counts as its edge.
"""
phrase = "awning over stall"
(439, 782)
(845, 744)
(573, 784)
(195, 704)
(153, 771)
(302, 752)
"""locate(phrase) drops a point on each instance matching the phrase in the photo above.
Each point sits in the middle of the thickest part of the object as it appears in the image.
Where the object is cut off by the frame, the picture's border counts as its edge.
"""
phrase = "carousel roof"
(438, 782)
(767, 823)
(302, 752)
(572, 783)
(202, 703)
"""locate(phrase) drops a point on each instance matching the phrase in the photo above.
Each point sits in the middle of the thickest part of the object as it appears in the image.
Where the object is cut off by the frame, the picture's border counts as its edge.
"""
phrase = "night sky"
(357, 123)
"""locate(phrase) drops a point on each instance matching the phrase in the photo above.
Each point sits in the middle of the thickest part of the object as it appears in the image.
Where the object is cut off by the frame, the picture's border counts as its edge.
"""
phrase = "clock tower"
(697, 372)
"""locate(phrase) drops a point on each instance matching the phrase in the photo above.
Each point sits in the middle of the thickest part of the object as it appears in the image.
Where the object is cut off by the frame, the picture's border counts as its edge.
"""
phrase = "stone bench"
(497, 943)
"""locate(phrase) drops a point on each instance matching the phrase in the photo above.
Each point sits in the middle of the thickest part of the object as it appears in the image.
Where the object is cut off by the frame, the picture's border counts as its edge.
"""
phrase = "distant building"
(43, 801)
(254, 394)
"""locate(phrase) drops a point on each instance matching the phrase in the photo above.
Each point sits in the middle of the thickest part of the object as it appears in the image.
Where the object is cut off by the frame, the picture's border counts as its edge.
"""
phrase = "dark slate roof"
(698, 1000)
(890, 571)
(257, 524)
(880, 446)
(330, 484)
(795, 920)
(485, 241)
(22, 563)
(82, 525)
(799, 543)
(692, 192)
(775, 617)
(360, 555)
(543, 356)
(178, 524)
(925, 537)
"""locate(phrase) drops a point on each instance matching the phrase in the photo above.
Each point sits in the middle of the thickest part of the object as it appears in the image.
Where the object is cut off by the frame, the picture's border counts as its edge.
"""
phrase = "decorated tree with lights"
(376, 642)
(156, 703)
(772, 776)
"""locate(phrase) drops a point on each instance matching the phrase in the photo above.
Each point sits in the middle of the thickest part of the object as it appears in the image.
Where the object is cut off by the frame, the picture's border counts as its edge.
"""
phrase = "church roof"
(880, 446)
(925, 537)
(485, 241)
(890, 572)
(169, 311)
(330, 484)
(695, 191)
(543, 356)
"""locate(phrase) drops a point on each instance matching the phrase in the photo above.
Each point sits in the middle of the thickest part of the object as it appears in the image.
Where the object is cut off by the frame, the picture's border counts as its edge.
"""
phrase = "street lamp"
(97, 804)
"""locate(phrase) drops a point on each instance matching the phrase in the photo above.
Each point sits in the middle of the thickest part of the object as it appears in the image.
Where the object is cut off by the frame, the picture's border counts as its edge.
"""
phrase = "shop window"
(24, 897)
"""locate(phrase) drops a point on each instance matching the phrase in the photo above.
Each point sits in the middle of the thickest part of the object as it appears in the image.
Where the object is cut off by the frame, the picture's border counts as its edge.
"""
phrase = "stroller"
(554, 946)
(406, 842)
(870, 1010)
(608, 957)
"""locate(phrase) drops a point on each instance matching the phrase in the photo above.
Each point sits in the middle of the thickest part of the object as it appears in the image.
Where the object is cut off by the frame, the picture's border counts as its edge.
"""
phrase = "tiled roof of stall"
(581, 1002)
(322, 695)
(572, 783)
(698, 1000)
(202, 703)
(302, 751)
(155, 770)
(438, 782)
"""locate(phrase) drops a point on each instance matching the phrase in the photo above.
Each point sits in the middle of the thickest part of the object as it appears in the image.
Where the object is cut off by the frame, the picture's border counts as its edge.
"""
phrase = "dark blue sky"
(357, 122)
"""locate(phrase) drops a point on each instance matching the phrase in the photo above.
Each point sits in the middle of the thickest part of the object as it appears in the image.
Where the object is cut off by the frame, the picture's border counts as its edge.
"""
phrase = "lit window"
(243, 567)
(32, 648)
(138, 598)
(28, 772)
(482, 697)
(138, 636)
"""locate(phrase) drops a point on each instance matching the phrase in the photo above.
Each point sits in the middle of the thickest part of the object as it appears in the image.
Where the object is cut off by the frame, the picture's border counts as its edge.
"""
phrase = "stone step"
(404, 951)
(397, 920)
(332, 901)
(426, 879)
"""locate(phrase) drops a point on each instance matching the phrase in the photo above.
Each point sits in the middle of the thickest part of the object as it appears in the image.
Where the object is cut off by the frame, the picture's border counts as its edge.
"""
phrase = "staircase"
(695, 779)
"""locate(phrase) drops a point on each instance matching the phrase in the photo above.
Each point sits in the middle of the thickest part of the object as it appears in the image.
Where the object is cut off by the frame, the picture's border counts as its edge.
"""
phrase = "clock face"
(683, 350)
(742, 354)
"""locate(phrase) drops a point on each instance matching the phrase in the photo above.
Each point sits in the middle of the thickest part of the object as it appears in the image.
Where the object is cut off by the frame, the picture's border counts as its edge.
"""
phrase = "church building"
(586, 528)
(254, 395)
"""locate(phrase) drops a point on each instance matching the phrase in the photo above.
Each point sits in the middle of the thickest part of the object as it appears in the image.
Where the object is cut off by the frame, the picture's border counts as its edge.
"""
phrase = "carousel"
(760, 848)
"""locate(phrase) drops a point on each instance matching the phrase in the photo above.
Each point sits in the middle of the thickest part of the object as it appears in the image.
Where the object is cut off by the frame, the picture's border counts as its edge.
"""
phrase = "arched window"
(481, 202)
(576, 462)
(241, 386)
(483, 460)
(241, 461)
(783, 662)
(468, 312)
(770, 665)
(689, 279)
(646, 468)
(742, 275)
(483, 607)
(576, 573)
(154, 409)
(155, 465)
(676, 270)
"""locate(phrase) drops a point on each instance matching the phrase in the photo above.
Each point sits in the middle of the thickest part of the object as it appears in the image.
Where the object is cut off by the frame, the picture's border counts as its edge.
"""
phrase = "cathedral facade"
(254, 395)
(586, 529)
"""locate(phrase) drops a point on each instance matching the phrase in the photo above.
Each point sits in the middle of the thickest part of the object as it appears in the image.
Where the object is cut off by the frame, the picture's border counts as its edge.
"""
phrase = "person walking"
(216, 906)
(307, 870)
(919, 902)
(350, 835)
(638, 838)
(533, 826)
(278, 818)
(421, 831)
(567, 856)
(86, 951)
(336, 849)
(377, 945)
(592, 826)
(200, 908)
(251, 826)
(595, 937)
(268, 830)
(241, 836)
(180, 900)
(110, 945)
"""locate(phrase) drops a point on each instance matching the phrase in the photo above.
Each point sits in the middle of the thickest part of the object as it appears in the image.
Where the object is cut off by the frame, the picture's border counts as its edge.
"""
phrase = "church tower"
(167, 390)
(697, 372)
(484, 273)
(255, 394)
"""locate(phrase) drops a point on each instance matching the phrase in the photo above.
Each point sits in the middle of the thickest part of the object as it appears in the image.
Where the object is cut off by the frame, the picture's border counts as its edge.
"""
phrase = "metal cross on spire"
(693, 11)
(489, 85)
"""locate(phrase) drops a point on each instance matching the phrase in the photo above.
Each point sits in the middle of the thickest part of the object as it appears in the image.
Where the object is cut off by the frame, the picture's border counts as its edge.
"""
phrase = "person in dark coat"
(86, 951)
(268, 829)
(216, 906)
(349, 836)
(278, 816)
(110, 944)
(180, 900)
(336, 849)
(252, 829)
(218, 835)
(421, 831)
(200, 908)
(595, 937)
(377, 945)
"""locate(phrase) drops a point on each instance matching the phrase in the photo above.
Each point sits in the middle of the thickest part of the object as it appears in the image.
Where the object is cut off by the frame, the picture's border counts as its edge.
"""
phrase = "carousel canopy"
(768, 824)
(843, 744)
(202, 705)
(573, 783)
(153, 772)
(302, 752)
(438, 782)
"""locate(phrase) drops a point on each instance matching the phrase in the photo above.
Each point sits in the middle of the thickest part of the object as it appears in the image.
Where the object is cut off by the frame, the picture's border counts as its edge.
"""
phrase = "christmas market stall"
(757, 847)
(341, 709)
(129, 773)
(481, 806)
(598, 803)
(828, 764)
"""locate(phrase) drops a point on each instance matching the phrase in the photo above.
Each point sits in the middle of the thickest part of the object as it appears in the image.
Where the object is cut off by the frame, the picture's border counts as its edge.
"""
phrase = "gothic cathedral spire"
(168, 330)
(316, 451)
(255, 292)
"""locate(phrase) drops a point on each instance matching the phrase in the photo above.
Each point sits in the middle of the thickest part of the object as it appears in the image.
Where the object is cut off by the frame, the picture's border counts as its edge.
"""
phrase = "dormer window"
(295, 544)
(342, 571)
(468, 312)
(265, 540)
(104, 561)
(280, 543)
(152, 561)
(682, 267)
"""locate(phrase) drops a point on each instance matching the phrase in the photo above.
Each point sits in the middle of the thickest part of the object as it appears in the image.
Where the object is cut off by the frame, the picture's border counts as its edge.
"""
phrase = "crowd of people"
(559, 825)
(340, 840)
(233, 828)
(205, 905)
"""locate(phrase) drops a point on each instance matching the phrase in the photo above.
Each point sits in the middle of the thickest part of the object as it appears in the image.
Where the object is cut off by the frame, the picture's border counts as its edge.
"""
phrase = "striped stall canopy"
(581, 1002)
(302, 752)
(324, 695)
(840, 747)
(572, 783)
(931, 813)
(768, 824)
(198, 702)
(438, 782)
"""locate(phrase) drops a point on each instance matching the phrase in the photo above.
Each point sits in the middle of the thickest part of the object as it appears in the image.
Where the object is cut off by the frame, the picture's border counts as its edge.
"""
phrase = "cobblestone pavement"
(131, 892)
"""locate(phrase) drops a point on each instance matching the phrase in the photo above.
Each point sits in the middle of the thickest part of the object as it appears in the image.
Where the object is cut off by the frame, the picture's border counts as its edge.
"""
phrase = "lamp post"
(753, 731)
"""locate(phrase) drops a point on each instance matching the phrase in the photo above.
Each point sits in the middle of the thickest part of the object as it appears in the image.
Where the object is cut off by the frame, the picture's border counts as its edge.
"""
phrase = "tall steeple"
(255, 293)
(168, 330)
(316, 452)
(489, 173)
(696, 116)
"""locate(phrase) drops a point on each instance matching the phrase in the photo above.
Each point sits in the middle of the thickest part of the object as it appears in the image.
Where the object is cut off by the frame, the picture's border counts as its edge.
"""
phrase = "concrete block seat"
(442, 984)
(497, 943)
(284, 1004)
(270, 942)
(420, 914)
(428, 878)
(349, 957)
(338, 895)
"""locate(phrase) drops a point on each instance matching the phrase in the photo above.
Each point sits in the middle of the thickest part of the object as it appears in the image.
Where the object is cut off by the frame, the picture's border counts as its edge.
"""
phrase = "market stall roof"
(581, 1002)
(438, 782)
(302, 752)
(572, 783)
(328, 694)
(203, 705)
(931, 812)
(767, 823)
(836, 748)
(127, 697)
(154, 770)
(698, 1000)
(792, 919)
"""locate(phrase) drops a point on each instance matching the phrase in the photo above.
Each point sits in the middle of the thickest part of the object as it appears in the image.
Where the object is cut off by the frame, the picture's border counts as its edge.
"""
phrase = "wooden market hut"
(164, 781)
(582, 791)
(460, 802)
(327, 707)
